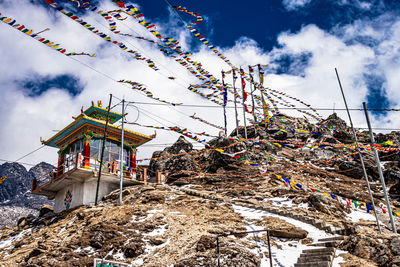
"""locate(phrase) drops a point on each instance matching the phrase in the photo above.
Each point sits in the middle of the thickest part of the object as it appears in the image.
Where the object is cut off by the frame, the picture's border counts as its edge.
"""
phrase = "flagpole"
(244, 109)
(121, 172)
(225, 100)
(236, 113)
(378, 164)
(102, 151)
(252, 102)
(262, 96)
(359, 153)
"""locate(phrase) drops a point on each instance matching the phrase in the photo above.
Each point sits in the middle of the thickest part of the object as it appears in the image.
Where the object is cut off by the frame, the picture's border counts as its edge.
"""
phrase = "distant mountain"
(16, 199)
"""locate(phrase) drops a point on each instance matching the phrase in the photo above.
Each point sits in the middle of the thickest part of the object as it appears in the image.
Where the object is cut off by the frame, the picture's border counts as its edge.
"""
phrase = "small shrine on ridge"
(74, 181)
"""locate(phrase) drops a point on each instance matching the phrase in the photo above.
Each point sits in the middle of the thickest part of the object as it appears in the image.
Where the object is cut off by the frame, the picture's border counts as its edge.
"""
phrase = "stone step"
(308, 258)
(317, 254)
(328, 244)
(313, 264)
(334, 238)
(318, 250)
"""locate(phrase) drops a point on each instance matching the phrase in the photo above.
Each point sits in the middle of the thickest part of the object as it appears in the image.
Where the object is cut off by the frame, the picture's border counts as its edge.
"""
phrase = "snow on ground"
(281, 201)
(336, 261)
(157, 231)
(356, 215)
(150, 213)
(7, 243)
(149, 249)
(289, 250)
(285, 202)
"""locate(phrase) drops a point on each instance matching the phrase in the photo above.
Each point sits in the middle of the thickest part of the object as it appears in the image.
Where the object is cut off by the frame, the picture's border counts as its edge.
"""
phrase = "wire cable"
(30, 153)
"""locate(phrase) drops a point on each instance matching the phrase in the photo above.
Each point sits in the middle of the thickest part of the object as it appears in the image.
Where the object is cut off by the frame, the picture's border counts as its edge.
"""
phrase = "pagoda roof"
(94, 111)
(83, 120)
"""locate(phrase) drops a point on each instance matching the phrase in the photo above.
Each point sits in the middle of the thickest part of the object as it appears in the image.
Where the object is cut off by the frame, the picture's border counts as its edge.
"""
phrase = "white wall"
(90, 191)
(83, 193)
(76, 189)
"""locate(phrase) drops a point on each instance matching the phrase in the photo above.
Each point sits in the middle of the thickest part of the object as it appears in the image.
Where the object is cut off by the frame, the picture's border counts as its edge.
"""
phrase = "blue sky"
(301, 40)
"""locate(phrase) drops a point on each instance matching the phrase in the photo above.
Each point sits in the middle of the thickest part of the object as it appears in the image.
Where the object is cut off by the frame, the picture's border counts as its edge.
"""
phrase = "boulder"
(45, 209)
(164, 161)
(133, 250)
(206, 242)
(181, 145)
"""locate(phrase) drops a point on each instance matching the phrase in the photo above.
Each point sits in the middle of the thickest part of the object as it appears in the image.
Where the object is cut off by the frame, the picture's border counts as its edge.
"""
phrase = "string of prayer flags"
(142, 88)
(206, 122)
(194, 89)
(84, 4)
(119, 3)
(213, 49)
(346, 201)
(172, 44)
(198, 35)
(12, 22)
(207, 43)
(179, 130)
(102, 35)
(80, 54)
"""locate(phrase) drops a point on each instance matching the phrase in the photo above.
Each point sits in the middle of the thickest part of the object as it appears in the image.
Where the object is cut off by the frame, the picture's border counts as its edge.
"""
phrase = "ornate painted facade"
(80, 145)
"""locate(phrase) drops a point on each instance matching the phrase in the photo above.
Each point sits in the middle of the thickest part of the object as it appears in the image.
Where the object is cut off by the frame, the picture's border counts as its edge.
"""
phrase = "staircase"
(321, 256)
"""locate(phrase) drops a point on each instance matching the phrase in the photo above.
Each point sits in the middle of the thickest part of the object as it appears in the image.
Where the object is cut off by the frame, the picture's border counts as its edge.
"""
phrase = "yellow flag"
(261, 78)
(265, 106)
(219, 150)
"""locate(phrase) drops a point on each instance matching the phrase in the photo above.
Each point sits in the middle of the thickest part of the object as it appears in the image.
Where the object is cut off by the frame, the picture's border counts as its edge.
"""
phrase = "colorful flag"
(265, 106)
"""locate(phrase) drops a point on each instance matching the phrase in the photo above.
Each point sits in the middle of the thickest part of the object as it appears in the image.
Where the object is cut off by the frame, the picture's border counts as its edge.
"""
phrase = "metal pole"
(252, 103)
(269, 249)
(378, 164)
(121, 172)
(359, 153)
(102, 151)
(219, 264)
(236, 113)
(244, 110)
(262, 97)
(225, 100)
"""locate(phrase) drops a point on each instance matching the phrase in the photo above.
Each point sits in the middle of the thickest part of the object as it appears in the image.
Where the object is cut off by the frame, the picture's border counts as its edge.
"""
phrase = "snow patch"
(157, 231)
(289, 250)
(356, 215)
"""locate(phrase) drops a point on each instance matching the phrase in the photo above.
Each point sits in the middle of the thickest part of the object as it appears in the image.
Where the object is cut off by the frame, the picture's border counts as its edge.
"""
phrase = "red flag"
(244, 92)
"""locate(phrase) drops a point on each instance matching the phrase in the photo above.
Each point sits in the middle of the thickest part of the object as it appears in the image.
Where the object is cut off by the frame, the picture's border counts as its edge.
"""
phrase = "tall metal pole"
(121, 172)
(262, 96)
(225, 100)
(378, 164)
(252, 101)
(269, 249)
(359, 153)
(244, 109)
(236, 113)
(219, 263)
(102, 150)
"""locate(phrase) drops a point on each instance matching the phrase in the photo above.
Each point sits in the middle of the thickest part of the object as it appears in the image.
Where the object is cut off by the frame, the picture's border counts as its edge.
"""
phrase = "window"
(111, 152)
(71, 155)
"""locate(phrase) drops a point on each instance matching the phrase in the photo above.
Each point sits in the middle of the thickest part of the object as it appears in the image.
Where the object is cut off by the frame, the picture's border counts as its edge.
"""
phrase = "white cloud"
(295, 4)
(25, 119)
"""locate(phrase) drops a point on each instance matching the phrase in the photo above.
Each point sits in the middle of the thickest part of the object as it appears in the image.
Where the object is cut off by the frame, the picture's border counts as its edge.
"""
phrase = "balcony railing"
(75, 161)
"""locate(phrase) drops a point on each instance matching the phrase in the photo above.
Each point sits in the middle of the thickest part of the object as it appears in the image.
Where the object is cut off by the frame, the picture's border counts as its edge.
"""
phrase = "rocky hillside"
(303, 182)
(15, 197)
